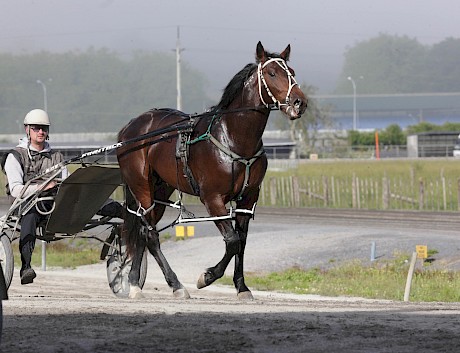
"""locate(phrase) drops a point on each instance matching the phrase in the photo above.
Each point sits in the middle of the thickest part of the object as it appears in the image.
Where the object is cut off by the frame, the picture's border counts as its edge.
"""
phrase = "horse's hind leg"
(152, 240)
(150, 237)
(162, 192)
(153, 244)
(135, 291)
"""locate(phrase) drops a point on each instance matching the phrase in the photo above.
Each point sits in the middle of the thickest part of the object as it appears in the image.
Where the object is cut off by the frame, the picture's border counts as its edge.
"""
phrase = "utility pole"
(178, 74)
(45, 106)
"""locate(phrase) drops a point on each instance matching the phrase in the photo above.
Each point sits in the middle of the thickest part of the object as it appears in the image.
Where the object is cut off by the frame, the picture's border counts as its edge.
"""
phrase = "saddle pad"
(80, 196)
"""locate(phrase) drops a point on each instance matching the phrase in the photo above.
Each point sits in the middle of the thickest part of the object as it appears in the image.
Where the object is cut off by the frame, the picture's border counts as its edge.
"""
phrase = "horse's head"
(277, 84)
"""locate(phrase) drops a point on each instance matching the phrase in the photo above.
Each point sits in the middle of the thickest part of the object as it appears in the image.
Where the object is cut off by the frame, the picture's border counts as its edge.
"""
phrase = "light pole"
(354, 100)
(178, 50)
(45, 97)
(45, 103)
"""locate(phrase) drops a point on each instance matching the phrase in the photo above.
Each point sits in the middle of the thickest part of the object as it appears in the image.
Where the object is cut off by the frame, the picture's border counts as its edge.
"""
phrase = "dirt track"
(74, 310)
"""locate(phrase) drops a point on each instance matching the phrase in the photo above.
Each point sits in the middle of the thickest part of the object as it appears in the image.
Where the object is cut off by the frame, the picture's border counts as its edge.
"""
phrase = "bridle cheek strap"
(261, 80)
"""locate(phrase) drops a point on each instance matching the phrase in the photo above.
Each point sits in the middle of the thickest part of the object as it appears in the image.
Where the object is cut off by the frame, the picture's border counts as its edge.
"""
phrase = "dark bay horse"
(217, 155)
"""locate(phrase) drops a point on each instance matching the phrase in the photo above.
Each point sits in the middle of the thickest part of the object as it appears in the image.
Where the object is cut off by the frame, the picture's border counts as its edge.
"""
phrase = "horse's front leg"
(232, 247)
(241, 227)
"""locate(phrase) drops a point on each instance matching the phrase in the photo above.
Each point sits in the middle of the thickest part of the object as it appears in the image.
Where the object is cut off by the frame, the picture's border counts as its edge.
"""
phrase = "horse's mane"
(236, 84)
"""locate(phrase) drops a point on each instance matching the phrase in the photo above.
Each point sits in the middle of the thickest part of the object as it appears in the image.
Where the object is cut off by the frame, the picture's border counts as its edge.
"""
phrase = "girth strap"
(235, 157)
(182, 151)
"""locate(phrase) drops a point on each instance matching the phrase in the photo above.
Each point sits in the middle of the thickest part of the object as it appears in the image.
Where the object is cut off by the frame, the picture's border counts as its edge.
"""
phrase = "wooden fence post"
(283, 194)
(458, 194)
(273, 191)
(325, 190)
(358, 192)
(295, 191)
(444, 193)
(333, 190)
(262, 193)
(376, 190)
(421, 195)
(365, 193)
(385, 193)
(353, 191)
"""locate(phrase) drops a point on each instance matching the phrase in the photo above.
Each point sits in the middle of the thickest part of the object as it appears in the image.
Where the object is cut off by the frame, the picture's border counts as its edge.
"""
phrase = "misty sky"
(220, 37)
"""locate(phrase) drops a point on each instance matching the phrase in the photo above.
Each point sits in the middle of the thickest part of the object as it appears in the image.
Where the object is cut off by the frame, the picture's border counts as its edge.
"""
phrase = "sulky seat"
(80, 196)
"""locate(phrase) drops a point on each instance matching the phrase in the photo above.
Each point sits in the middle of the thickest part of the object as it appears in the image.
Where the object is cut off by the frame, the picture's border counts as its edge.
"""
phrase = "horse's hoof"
(245, 296)
(135, 293)
(201, 281)
(181, 293)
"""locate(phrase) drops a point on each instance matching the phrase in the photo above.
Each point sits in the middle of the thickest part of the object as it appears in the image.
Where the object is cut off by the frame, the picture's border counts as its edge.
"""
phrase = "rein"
(178, 126)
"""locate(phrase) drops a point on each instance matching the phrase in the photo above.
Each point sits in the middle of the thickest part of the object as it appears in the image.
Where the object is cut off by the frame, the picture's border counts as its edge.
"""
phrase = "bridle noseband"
(261, 78)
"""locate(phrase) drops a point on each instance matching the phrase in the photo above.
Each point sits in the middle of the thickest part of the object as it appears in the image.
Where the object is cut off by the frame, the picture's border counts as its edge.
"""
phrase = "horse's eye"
(271, 73)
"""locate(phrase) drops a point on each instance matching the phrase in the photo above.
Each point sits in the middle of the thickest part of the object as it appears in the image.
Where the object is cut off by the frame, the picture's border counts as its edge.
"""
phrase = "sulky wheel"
(6, 258)
(118, 267)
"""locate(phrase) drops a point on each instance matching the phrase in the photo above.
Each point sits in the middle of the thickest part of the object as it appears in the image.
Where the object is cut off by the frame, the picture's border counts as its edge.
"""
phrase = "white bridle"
(260, 76)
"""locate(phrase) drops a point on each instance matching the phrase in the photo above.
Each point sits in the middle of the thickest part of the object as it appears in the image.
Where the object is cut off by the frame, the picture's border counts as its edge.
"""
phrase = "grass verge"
(382, 279)
(64, 253)
(69, 253)
(379, 280)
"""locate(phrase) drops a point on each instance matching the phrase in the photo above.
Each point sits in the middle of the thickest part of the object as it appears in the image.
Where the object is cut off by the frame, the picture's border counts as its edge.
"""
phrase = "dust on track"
(74, 310)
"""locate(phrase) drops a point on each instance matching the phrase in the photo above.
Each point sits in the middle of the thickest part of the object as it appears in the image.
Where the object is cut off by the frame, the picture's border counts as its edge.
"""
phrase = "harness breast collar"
(237, 158)
(234, 156)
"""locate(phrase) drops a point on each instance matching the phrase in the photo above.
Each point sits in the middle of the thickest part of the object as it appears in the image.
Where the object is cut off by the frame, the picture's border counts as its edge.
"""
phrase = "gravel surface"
(282, 238)
(74, 310)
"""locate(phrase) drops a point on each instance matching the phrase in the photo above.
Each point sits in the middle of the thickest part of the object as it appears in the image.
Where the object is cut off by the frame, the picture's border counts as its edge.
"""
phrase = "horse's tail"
(132, 224)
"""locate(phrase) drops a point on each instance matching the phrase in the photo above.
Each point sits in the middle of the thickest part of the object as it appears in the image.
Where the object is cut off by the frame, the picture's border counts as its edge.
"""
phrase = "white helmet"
(37, 117)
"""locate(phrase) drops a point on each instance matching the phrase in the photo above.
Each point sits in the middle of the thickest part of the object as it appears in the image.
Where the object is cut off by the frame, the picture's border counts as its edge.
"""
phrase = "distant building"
(432, 144)
(380, 110)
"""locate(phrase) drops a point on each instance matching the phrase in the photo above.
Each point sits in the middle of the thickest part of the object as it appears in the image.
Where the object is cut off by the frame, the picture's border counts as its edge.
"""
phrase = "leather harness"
(183, 148)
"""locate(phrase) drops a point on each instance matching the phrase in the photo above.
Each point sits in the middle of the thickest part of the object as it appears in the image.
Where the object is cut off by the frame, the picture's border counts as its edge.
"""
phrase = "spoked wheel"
(118, 267)
(6, 258)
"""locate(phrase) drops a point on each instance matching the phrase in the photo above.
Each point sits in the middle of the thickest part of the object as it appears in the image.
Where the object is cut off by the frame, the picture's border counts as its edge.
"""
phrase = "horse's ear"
(260, 53)
(285, 54)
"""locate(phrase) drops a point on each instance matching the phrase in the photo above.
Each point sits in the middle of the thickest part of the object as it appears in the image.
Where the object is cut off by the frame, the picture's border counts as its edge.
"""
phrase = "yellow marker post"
(422, 251)
(180, 231)
(190, 231)
(185, 231)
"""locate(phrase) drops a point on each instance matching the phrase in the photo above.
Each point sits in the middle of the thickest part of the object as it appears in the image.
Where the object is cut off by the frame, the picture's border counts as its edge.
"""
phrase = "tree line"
(399, 64)
(95, 90)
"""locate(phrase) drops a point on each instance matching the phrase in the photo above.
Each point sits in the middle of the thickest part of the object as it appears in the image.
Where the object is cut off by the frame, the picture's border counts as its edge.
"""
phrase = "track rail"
(413, 219)
(446, 221)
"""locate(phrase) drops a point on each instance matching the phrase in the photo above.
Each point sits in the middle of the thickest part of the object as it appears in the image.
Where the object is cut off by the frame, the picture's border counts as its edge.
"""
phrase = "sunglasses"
(37, 128)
